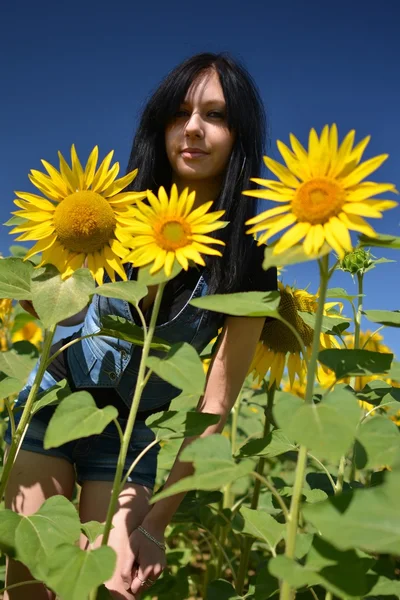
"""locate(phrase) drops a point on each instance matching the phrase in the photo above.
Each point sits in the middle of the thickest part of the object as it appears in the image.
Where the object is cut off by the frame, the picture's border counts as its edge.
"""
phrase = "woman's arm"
(227, 372)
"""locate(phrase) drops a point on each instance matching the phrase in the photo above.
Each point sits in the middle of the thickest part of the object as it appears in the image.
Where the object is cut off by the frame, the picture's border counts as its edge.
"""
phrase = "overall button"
(124, 354)
(112, 375)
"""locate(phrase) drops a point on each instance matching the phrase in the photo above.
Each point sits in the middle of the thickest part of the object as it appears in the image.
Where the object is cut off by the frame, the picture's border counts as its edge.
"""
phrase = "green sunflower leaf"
(75, 417)
(123, 329)
(10, 386)
(182, 368)
(328, 323)
(17, 365)
(342, 294)
(378, 443)
(355, 362)
(363, 518)
(380, 241)
(244, 304)
(131, 291)
(178, 424)
(292, 256)
(327, 428)
(384, 317)
(262, 526)
(214, 467)
(15, 279)
(73, 573)
(54, 299)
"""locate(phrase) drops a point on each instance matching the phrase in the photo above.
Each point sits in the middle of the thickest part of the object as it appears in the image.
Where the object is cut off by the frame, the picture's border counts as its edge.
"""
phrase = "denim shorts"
(94, 457)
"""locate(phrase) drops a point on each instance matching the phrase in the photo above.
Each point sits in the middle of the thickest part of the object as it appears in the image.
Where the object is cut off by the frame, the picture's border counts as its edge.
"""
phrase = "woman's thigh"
(34, 478)
(133, 505)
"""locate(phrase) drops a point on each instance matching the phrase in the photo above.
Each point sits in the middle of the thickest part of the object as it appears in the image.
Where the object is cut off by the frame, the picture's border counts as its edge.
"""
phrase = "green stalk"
(26, 414)
(132, 415)
(227, 497)
(248, 542)
(291, 531)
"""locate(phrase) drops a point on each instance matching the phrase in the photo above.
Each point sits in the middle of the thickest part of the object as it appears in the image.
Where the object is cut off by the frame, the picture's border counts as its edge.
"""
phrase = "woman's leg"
(133, 506)
(34, 478)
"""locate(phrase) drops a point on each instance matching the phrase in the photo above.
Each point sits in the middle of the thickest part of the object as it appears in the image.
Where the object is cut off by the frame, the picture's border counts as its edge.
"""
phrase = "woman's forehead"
(205, 89)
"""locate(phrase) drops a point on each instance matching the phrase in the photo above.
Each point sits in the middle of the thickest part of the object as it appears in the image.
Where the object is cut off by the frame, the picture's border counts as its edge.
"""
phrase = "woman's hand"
(143, 561)
(28, 306)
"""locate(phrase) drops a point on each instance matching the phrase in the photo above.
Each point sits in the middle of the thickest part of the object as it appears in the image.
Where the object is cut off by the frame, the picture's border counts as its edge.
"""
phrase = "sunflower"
(320, 193)
(30, 332)
(169, 230)
(278, 347)
(82, 215)
(6, 308)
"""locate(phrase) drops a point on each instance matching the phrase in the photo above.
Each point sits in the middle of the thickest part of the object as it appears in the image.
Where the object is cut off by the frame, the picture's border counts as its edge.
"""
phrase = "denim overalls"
(108, 362)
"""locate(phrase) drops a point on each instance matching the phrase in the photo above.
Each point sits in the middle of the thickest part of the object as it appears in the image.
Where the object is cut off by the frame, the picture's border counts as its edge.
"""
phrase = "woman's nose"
(194, 127)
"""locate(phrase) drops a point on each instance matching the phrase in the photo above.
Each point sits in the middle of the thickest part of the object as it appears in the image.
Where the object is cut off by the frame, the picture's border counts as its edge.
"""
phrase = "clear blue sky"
(81, 71)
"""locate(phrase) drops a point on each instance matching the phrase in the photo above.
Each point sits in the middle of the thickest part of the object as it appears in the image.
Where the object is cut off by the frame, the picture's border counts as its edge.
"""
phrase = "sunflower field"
(299, 496)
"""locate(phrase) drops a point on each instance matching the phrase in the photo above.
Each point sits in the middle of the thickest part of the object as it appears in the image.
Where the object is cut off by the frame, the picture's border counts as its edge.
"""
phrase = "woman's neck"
(205, 190)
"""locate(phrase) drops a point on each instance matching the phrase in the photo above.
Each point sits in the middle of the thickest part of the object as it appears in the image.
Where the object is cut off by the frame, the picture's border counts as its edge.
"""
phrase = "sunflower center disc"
(84, 222)
(277, 336)
(173, 235)
(317, 200)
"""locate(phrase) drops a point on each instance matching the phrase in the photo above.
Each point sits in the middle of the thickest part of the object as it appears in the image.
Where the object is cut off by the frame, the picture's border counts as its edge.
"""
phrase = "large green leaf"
(262, 526)
(342, 573)
(342, 294)
(384, 317)
(73, 573)
(355, 362)
(9, 521)
(327, 428)
(179, 424)
(379, 443)
(15, 279)
(92, 530)
(52, 395)
(363, 518)
(36, 536)
(374, 391)
(77, 416)
(54, 299)
(244, 304)
(181, 367)
(292, 256)
(146, 279)
(131, 291)
(394, 372)
(10, 386)
(328, 323)
(17, 365)
(214, 467)
(220, 589)
(380, 241)
(274, 444)
(123, 329)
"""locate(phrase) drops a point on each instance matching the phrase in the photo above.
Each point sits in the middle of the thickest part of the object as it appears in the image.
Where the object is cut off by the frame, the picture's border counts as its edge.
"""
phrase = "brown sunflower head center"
(277, 336)
(84, 222)
(173, 234)
(317, 200)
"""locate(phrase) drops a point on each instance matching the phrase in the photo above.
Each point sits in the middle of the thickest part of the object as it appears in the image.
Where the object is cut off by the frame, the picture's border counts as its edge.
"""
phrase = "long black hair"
(246, 117)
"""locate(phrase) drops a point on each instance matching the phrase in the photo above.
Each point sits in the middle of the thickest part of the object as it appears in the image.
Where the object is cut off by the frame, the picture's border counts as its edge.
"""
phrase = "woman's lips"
(189, 153)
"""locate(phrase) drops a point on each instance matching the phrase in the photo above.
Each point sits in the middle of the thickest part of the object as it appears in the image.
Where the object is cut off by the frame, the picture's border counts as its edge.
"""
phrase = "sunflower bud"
(357, 261)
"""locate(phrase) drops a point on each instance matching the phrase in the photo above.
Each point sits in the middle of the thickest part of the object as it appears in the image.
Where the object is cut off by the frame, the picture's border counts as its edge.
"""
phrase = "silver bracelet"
(153, 539)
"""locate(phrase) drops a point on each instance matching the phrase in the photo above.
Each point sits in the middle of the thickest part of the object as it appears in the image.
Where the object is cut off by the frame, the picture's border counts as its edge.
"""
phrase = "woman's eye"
(181, 113)
(216, 114)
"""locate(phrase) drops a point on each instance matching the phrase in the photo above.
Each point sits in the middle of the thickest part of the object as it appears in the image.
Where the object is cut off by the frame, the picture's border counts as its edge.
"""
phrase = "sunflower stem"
(132, 415)
(286, 592)
(248, 542)
(26, 413)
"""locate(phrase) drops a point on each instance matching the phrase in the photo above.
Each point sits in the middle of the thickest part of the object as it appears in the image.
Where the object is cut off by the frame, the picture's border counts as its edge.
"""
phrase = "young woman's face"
(198, 141)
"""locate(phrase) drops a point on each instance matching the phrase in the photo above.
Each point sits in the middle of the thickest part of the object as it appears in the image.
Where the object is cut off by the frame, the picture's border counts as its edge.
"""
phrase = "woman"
(204, 129)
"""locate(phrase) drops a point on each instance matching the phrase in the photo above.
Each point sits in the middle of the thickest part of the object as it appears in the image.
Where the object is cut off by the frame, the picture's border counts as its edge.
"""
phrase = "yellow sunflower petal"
(270, 195)
(281, 172)
(101, 173)
(90, 168)
(292, 236)
(40, 246)
(299, 168)
(30, 200)
(272, 212)
(56, 177)
(169, 263)
(367, 189)
(120, 184)
(77, 167)
(341, 233)
(199, 212)
(363, 170)
(181, 258)
(362, 209)
(332, 241)
(69, 177)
